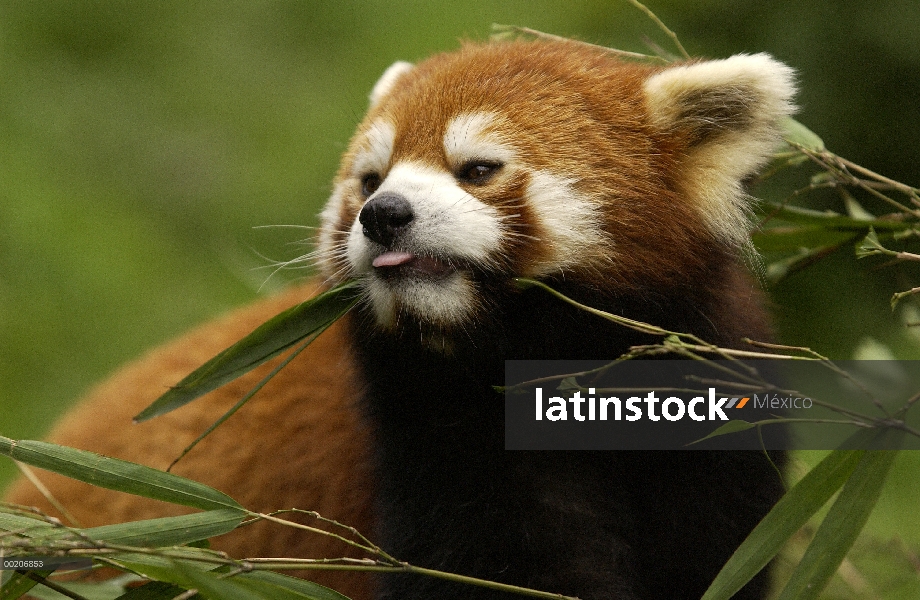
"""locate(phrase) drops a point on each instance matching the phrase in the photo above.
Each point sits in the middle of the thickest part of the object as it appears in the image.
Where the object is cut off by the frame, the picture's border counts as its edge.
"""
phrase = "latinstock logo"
(635, 408)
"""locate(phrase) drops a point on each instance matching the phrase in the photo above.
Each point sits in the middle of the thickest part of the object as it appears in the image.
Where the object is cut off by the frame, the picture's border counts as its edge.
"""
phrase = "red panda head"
(545, 160)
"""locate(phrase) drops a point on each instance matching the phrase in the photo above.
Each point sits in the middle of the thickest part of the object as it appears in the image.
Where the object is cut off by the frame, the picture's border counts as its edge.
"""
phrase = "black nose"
(384, 217)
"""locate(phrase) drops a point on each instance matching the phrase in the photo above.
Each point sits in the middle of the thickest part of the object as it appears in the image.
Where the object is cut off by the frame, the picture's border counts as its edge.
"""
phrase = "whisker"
(280, 226)
(517, 234)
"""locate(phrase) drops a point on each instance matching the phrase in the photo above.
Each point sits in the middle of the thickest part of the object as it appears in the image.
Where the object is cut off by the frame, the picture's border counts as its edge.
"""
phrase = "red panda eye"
(370, 183)
(478, 172)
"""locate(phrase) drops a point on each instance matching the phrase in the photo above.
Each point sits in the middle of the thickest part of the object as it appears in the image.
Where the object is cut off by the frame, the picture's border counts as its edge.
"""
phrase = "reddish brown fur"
(298, 444)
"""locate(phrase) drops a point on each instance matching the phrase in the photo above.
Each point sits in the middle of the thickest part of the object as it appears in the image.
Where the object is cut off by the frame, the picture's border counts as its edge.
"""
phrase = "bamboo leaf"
(115, 474)
(854, 208)
(840, 527)
(215, 585)
(795, 132)
(780, 239)
(301, 586)
(169, 531)
(265, 342)
(23, 525)
(785, 519)
(103, 590)
(208, 583)
(829, 219)
(193, 558)
(19, 584)
(733, 426)
(782, 268)
(164, 531)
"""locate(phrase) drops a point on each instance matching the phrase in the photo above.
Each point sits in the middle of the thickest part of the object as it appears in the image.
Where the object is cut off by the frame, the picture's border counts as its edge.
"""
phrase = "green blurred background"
(142, 142)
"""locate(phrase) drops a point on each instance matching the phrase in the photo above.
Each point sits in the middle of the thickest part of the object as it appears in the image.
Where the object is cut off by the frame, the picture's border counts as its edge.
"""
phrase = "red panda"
(620, 184)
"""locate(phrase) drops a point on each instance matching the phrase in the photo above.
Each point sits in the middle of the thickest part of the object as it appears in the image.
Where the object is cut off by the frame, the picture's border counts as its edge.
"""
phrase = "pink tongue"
(393, 259)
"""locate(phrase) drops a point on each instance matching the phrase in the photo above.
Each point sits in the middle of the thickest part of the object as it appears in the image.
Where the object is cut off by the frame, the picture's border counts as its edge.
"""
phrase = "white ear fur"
(388, 79)
(728, 111)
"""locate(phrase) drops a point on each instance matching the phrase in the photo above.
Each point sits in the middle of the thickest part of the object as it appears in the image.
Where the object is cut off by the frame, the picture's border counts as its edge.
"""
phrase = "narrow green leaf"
(840, 527)
(267, 341)
(854, 208)
(19, 584)
(781, 239)
(169, 531)
(307, 589)
(801, 216)
(164, 531)
(115, 474)
(26, 526)
(795, 132)
(523, 283)
(822, 178)
(103, 590)
(783, 521)
(216, 584)
(828, 218)
(241, 402)
(209, 584)
(780, 269)
(733, 426)
(193, 558)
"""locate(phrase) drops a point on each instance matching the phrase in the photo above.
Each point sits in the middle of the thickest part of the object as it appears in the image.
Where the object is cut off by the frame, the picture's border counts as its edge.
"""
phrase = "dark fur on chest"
(626, 525)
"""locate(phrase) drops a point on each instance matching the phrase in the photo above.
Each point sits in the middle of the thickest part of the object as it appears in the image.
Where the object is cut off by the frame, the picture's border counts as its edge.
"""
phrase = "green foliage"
(163, 549)
(841, 526)
(787, 517)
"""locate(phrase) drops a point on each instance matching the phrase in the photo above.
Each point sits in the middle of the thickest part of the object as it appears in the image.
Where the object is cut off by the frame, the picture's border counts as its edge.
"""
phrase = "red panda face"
(543, 160)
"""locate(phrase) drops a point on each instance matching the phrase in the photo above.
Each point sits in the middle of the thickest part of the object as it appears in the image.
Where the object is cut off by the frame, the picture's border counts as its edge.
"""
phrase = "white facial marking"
(447, 301)
(471, 136)
(374, 157)
(571, 222)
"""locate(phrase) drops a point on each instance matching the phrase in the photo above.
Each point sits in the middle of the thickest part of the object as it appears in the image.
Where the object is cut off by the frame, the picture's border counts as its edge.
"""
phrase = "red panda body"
(619, 185)
(258, 457)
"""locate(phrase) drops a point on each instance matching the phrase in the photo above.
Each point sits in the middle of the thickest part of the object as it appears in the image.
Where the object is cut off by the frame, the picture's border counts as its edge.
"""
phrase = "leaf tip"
(522, 283)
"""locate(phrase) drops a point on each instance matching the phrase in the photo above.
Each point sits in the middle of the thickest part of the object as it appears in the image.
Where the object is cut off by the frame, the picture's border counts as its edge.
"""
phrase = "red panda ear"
(388, 80)
(727, 112)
